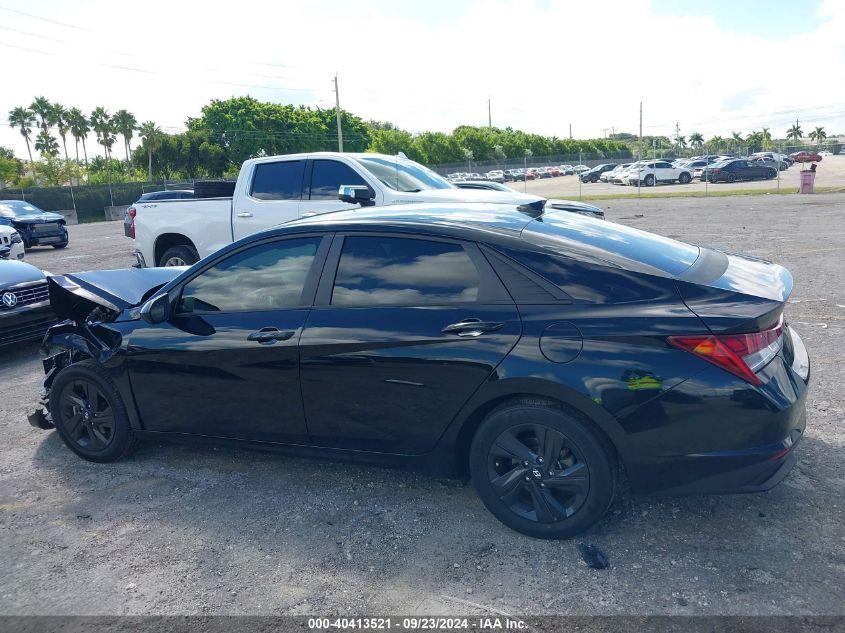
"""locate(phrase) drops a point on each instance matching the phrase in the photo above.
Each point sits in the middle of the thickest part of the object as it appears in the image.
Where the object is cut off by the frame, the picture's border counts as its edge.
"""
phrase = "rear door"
(664, 171)
(404, 330)
(324, 177)
(271, 196)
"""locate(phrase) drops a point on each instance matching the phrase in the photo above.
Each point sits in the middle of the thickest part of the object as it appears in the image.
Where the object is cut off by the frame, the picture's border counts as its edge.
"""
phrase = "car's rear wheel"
(60, 245)
(649, 180)
(541, 471)
(89, 413)
(771, 174)
(182, 255)
(731, 178)
(684, 178)
(594, 178)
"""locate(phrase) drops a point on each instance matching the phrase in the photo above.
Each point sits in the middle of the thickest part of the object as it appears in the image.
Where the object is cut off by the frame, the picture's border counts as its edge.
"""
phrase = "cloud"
(544, 65)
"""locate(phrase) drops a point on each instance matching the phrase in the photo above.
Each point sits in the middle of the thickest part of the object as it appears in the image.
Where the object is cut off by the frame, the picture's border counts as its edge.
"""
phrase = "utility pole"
(489, 115)
(570, 131)
(641, 130)
(337, 112)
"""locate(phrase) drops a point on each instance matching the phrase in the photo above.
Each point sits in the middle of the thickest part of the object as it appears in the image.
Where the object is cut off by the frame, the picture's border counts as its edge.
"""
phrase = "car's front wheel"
(649, 180)
(89, 414)
(64, 245)
(541, 471)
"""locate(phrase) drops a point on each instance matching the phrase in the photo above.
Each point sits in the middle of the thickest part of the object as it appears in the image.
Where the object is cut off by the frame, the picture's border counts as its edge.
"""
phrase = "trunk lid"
(735, 293)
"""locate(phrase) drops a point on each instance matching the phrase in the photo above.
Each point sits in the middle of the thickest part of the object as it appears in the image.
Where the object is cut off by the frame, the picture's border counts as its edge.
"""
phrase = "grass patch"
(718, 193)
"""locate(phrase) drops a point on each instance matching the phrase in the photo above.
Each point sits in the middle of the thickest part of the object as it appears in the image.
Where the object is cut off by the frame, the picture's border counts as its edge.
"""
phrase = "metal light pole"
(337, 112)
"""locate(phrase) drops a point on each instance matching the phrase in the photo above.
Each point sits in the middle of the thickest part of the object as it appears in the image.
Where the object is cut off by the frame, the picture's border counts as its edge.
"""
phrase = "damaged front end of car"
(90, 306)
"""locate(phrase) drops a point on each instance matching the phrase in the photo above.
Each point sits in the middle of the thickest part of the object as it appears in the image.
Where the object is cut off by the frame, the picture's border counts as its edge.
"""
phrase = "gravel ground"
(181, 529)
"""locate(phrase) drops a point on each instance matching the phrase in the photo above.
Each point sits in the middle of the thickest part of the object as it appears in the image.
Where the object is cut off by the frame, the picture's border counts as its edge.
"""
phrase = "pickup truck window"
(328, 175)
(269, 276)
(403, 175)
(278, 181)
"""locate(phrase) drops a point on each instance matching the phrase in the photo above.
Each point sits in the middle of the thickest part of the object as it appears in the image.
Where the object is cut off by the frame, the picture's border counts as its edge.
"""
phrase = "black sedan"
(35, 226)
(24, 303)
(593, 175)
(538, 352)
(738, 169)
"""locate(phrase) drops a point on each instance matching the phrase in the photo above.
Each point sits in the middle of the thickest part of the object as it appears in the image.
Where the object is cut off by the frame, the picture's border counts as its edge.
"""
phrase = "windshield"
(403, 175)
(17, 208)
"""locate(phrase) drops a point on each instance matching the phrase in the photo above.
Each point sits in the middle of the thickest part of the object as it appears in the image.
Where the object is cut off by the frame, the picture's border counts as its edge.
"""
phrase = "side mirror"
(156, 310)
(356, 194)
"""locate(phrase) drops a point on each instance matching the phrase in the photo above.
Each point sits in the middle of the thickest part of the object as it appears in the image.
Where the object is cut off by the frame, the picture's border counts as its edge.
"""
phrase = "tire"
(731, 178)
(527, 498)
(214, 189)
(60, 245)
(182, 255)
(648, 181)
(594, 178)
(771, 175)
(81, 394)
(684, 178)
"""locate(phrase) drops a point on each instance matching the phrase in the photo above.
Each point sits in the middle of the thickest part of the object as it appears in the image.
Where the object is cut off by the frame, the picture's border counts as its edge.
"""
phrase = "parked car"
(609, 175)
(649, 173)
(825, 153)
(593, 175)
(739, 169)
(567, 170)
(496, 175)
(554, 171)
(35, 226)
(768, 161)
(530, 174)
(806, 157)
(25, 312)
(557, 350)
(275, 189)
(11, 243)
(580, 169)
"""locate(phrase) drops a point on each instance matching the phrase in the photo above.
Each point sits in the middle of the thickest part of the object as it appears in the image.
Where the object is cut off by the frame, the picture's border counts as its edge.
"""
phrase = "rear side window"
(269, 276)
(328, 175)
(278, 181)
(401, 271)
(609, 243)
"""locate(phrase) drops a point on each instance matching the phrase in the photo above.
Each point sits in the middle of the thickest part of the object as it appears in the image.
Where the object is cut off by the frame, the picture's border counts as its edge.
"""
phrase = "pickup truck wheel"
(182, 255)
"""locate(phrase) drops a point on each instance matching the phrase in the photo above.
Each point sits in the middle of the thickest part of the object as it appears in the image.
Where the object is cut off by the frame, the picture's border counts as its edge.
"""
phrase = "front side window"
(278, 181)
(375, 271)
(269, 276)
(327, 176)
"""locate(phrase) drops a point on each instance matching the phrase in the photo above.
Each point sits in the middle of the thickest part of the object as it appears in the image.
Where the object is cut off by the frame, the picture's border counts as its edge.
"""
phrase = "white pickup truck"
(276, 189)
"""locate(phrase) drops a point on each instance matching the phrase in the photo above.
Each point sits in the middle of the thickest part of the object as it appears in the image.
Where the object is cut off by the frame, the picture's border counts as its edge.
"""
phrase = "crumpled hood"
(75, 295)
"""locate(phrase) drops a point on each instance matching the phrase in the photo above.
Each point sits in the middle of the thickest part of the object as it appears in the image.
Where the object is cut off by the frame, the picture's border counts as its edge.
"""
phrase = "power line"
(43, 37)
(28, 50)
(38, 17)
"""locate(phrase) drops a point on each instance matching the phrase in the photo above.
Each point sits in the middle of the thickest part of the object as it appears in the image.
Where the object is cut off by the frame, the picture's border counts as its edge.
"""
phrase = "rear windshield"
(577, 236)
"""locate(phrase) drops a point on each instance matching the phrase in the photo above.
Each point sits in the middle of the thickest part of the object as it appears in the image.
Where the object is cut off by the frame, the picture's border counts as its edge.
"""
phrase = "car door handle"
(472, 327)
(244, 214)
(268, 335)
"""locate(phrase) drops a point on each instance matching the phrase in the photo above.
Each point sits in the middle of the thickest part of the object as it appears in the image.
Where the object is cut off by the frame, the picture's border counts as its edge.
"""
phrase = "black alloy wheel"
(542, 470)
(684, 178)
(537, 473)
(649, 180)
(89, 414)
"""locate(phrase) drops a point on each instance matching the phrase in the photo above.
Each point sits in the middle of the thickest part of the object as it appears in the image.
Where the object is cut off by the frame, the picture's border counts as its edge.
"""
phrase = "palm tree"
(795, 132)
(101, 124)
(60, 120)
(125, 124)
(696, 139)
(716, 143)
(766, 138)
(681, 141)
(24, 119)
(46, 144)
(43, 109)
(736, 139)
(149, 133)
(818, 135)
(79, 128)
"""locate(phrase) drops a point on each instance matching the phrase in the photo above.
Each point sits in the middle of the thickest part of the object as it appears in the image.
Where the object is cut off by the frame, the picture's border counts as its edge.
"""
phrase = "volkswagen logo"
(9, 299)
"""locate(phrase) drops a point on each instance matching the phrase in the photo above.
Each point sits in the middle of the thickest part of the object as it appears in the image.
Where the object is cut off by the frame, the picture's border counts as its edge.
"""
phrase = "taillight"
(740, 354)
(132, 212)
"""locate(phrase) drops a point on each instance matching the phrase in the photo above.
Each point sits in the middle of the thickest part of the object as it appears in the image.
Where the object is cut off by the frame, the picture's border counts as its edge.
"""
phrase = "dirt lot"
(830, 173)
(196, 530)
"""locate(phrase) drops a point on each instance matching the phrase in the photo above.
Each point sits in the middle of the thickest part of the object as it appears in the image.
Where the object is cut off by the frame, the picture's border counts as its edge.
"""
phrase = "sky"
(712, 67)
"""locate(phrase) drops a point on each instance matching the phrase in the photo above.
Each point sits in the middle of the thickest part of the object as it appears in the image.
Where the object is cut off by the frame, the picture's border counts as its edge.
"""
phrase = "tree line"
(229, 131)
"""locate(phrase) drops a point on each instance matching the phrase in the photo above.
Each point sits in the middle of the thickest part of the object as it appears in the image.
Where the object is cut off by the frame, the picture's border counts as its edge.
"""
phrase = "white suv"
(651, 172)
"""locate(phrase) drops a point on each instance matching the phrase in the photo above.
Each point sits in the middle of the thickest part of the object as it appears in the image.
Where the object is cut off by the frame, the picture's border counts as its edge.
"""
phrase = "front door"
(226, 364)
(400, 337)
(324, 177)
